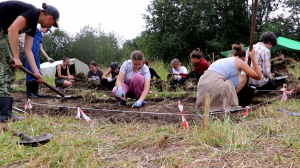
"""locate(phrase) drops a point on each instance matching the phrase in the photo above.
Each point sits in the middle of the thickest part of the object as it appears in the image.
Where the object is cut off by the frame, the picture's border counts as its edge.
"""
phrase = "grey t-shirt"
(95, 76)
(127, 69)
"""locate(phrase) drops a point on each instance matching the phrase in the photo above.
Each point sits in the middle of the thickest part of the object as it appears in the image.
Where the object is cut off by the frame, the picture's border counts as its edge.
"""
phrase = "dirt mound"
(279, 68)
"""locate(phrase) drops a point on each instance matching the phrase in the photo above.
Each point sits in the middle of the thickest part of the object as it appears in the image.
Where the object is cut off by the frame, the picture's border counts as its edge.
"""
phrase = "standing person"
(222, 80)
(94, 73)
(32, 87)
(19, 17)
(263, 59)
(200, 64)
(133, 81)
(63, 78)
(110, 82)
(152, 71)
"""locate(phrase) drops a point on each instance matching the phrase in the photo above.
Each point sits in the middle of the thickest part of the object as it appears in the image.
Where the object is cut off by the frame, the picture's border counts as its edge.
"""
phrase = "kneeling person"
(133, 80)
(63, 78)
(110, 82)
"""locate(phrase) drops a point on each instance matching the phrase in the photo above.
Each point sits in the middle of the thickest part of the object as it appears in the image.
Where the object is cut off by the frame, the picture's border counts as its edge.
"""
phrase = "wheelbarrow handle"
(44, 83)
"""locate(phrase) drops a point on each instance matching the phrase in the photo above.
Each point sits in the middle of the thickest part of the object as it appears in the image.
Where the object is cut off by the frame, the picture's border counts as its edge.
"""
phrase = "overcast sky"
(124, 17)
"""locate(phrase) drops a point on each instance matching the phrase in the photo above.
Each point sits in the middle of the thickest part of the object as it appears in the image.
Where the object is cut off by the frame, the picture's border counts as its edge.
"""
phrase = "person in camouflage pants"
(7, 72)
(7, 76)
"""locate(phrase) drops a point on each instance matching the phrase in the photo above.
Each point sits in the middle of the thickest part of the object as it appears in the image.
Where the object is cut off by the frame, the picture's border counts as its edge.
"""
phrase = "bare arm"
(43, 51)
(30, 57)
(120, 78)
(253, 73)
(146, 89)
(13, 37)
(104, 76)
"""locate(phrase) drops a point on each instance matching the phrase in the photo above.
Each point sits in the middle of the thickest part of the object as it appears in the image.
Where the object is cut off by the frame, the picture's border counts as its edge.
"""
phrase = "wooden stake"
(206, 111)
(213, 55)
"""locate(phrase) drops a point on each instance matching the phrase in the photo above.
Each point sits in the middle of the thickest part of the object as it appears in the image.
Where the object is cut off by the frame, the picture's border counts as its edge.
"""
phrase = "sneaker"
(122, 103)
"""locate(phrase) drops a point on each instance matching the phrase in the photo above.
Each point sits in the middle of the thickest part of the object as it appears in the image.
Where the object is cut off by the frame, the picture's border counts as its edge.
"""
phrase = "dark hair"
(146, 62)
(137, 55)
(268, 37)
(238, 50)
(44, 6)
(196, 54)
(65, 58)
(93, 63)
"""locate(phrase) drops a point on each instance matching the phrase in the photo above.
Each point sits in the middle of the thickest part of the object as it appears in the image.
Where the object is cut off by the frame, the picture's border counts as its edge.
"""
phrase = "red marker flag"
(184, 122)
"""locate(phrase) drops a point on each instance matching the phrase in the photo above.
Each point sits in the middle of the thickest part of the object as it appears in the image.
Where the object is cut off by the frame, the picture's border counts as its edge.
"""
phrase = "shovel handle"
(7, 128)
(44, 83)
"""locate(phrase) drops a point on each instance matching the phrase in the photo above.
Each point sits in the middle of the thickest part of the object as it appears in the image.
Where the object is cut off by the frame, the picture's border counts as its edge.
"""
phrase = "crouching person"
(63, 78)
(110, 82)
(133, 81)
(222, 80)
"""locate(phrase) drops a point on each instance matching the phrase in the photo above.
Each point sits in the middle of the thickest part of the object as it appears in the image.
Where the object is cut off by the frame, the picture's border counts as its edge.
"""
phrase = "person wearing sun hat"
(18, 17)
(109, 82)
(32, 87)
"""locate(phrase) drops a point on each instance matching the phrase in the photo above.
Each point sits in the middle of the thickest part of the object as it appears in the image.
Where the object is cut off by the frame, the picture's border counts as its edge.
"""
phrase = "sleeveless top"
(225, 67)
(62, 71)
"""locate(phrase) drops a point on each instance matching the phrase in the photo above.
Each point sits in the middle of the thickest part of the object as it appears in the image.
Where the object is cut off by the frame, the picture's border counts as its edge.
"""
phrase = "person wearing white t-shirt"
(177, 70)
(133, 81)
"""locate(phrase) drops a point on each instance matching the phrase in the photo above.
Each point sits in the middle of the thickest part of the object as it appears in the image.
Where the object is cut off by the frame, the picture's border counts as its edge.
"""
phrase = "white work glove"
(176, 77)
(110, 79)
(50, 60)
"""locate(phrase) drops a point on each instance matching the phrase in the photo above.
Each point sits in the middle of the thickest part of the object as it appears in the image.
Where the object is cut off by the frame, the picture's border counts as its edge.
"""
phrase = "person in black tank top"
(63, 78)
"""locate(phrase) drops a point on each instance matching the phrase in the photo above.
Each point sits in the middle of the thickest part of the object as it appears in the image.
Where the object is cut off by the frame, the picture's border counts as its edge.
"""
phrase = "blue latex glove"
(138, 103)
(120, 93)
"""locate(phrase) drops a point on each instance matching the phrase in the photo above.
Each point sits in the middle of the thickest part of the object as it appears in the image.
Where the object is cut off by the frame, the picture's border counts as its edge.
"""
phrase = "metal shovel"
(26, 139)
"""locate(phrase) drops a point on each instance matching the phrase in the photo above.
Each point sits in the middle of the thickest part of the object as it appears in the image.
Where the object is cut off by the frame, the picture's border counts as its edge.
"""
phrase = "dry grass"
(266, 138)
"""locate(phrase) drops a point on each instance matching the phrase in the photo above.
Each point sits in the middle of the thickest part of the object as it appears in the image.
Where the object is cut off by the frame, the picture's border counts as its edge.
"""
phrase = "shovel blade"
(41, 139)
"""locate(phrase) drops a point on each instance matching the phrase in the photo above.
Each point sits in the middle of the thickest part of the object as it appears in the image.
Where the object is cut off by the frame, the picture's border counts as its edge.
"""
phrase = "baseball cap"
(51, 10)
(49, 29)
(114, 65)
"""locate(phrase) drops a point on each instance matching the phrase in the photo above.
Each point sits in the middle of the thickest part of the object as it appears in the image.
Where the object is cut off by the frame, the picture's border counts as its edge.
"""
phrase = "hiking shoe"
(122, 103)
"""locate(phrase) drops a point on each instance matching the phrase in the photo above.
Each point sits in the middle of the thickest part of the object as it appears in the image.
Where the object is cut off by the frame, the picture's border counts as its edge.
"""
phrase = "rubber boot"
(36, 89)
(30, 87)
(6, 110)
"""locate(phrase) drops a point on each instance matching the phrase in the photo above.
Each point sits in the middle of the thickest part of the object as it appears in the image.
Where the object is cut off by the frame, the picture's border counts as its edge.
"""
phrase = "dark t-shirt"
(95, 76)
(10, 10)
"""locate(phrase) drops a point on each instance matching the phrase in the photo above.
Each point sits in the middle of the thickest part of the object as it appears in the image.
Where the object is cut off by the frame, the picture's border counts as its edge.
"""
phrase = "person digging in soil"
(32, 87)
(94, 73)
(110, 82)
(133, 81)
(177, 70)
(222, 80)
(263, 55)
(200, 64)
(63, 78)
(19, 17)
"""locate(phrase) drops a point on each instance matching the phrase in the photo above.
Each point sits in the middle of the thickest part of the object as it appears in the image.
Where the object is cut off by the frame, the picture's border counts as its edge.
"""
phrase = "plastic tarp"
(286, 44)
(49, 69)
(282, 43)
